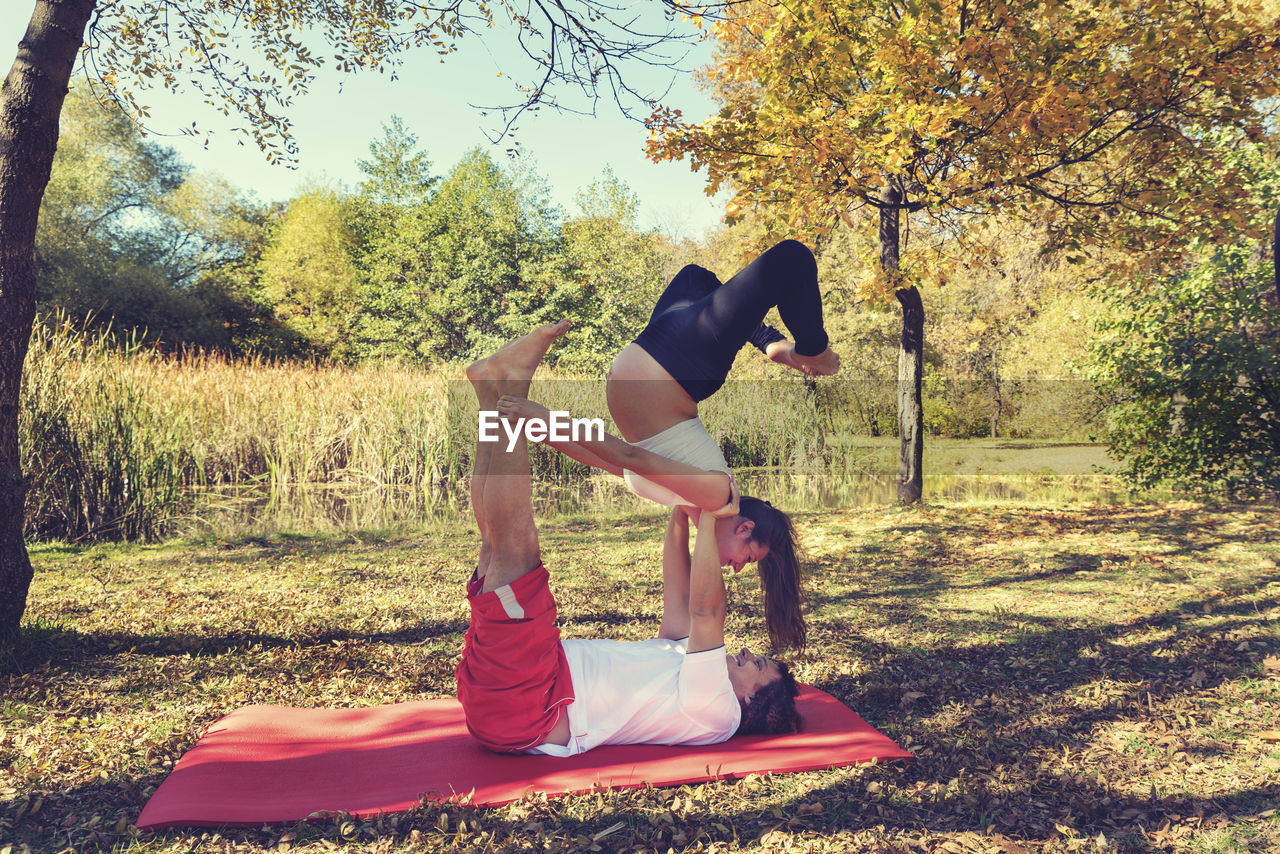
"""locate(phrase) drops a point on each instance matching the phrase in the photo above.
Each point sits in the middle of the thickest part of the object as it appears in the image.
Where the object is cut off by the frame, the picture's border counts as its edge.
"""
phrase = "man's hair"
(772, 709)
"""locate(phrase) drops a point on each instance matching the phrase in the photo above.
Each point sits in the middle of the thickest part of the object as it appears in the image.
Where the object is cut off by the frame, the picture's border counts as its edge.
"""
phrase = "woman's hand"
(730, 509)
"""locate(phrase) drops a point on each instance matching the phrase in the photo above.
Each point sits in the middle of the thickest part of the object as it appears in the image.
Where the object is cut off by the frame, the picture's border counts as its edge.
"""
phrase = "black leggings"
(699, 324)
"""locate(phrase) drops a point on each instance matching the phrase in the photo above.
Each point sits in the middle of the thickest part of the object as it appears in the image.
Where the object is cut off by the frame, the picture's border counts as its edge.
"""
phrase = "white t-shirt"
(646, 692)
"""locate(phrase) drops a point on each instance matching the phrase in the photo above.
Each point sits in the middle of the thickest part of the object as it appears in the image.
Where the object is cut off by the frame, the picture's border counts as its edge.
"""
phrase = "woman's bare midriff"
(643, 398)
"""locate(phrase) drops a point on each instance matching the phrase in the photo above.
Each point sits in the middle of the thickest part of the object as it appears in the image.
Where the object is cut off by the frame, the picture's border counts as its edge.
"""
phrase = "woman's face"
(737, 549)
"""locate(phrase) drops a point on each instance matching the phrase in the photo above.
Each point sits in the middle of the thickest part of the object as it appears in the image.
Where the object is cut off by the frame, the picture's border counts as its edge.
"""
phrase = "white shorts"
(687, 442)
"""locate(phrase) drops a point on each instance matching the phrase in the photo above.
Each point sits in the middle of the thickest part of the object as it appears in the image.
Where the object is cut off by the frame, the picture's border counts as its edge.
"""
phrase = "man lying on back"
(524, 690)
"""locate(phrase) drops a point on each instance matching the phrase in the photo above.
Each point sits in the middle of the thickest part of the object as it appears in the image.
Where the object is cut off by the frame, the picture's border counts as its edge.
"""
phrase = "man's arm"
(706, 588)
(675, 577)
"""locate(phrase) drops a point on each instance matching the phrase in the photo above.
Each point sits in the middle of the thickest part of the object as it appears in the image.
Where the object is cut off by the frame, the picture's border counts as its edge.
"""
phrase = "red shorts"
(513, 679)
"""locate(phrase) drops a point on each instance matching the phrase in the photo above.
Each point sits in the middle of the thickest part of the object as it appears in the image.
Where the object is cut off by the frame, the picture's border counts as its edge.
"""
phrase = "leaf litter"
(1070, 678)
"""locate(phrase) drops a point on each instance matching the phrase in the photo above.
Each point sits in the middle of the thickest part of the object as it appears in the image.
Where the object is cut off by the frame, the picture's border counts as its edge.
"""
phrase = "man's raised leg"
(501, 490)
(513, 677)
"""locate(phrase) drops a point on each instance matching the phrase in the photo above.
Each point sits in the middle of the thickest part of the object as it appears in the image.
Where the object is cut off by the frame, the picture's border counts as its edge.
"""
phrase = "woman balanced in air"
(681, 358)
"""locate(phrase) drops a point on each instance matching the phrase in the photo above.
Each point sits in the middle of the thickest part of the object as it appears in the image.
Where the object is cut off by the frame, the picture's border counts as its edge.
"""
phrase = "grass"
(1071, 677)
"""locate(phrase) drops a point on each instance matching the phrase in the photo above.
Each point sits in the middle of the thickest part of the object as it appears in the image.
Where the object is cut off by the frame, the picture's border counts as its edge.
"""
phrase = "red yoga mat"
(275, 764)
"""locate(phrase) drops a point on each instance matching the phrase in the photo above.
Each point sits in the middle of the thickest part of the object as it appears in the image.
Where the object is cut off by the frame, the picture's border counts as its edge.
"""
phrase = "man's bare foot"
(824, 364)
(478, 374)
(514, 364)
(511, 408)
(517, 360)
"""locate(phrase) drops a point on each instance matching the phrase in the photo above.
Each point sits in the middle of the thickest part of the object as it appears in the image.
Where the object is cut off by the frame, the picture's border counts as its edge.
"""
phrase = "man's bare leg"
(486, 389)
(501, 490)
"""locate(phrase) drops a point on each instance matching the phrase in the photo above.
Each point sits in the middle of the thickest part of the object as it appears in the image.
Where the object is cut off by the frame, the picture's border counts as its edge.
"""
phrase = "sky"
(335, 122)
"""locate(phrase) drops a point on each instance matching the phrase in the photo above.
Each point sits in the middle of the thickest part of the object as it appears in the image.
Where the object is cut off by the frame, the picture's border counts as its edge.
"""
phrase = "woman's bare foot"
(824, 364)
(511, 408)
(513, 365)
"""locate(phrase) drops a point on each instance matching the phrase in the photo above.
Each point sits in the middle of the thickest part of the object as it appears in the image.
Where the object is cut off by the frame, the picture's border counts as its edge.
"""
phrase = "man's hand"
(730, 509)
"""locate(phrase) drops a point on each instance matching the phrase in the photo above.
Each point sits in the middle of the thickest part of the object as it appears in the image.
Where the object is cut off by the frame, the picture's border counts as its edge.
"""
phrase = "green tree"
(100, 231)
(396, 173)
(231, 290)
(476, 259)
(985, 337)
(1097, 117)
(1195, 365)
(308, 275)
(127, 230)
(394, 319)
(607, 276)
(390, 228)
(460, 272)
(393, 265)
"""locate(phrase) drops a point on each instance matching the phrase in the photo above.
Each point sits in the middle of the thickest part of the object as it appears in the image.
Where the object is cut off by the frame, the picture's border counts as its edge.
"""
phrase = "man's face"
(749, 673)
(737, 549)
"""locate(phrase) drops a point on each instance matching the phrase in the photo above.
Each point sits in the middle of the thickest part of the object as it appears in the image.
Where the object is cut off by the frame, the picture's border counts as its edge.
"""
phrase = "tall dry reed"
(115, 437)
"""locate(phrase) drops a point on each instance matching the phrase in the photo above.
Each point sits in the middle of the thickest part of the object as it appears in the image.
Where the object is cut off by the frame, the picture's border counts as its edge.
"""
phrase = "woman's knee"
(694, 271)
(793, 254)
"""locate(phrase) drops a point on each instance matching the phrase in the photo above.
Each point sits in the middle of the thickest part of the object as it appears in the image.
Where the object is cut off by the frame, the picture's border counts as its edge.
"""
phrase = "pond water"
(336, 507)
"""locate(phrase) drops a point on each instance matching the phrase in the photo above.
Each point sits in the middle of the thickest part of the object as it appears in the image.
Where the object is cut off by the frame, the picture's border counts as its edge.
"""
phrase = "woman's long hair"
(779, 573)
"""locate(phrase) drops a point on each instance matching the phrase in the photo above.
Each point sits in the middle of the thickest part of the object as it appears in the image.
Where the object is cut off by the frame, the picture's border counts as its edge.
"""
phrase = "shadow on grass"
(907, 571)
(989, 768)
(66, 650)
(1019, 708)
(1083, 810)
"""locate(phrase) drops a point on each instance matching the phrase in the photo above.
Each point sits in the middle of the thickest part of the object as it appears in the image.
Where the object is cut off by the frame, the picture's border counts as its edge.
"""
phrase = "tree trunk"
(910, 357)
(30, 103)
(910, 399)
(997, 395)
